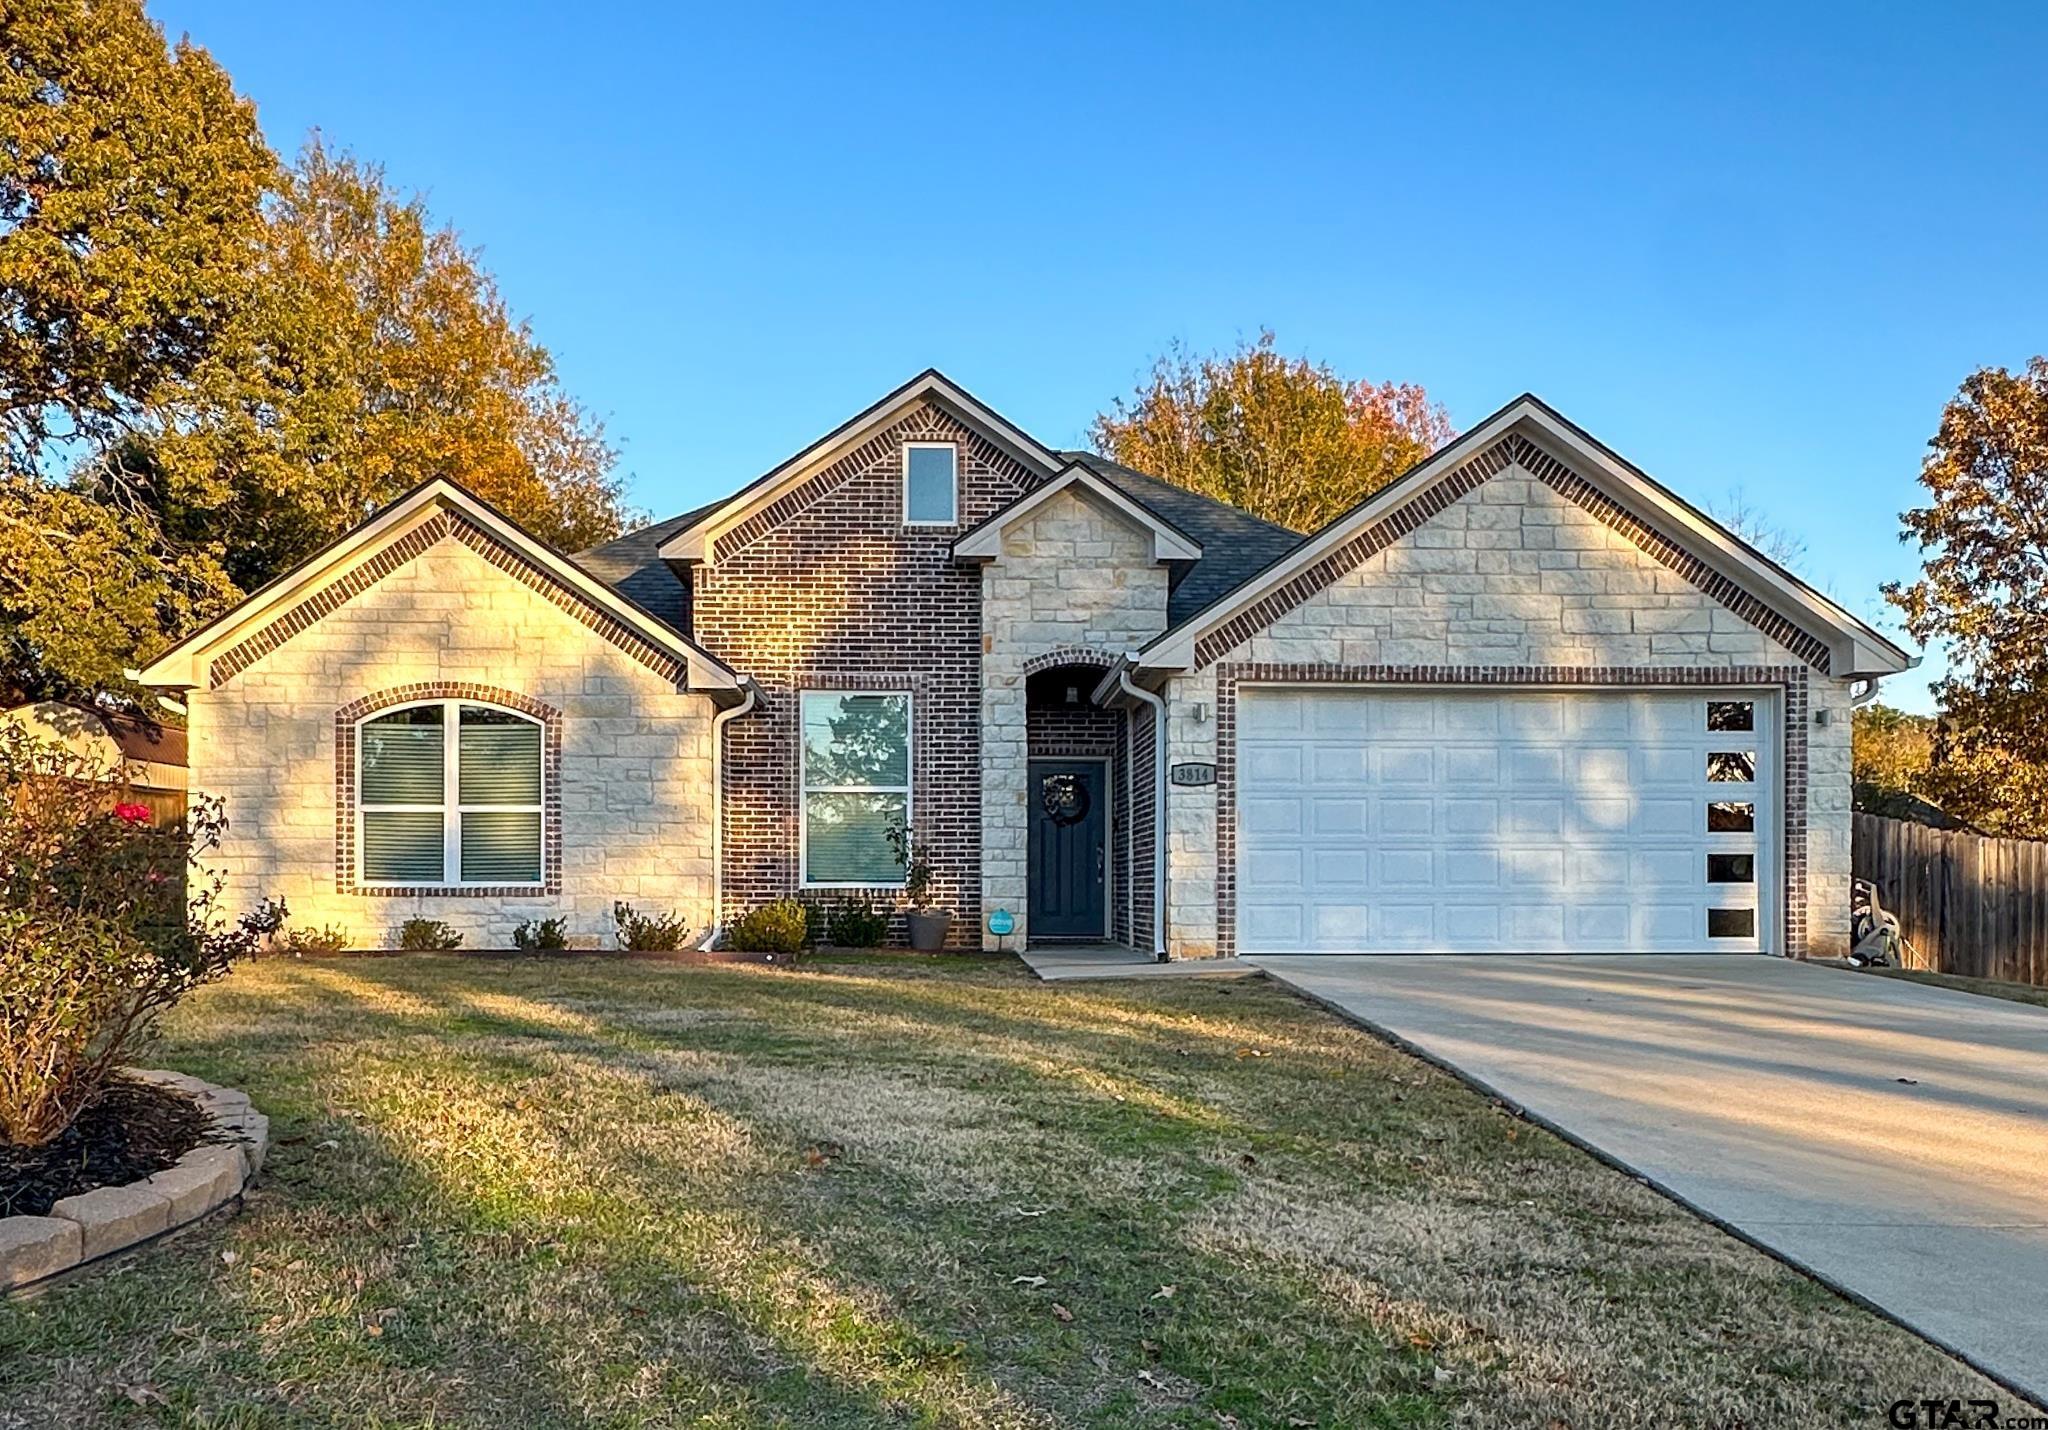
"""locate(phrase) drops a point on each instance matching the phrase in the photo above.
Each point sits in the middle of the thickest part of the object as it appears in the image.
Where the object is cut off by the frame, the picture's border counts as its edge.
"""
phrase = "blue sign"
(1000, 923)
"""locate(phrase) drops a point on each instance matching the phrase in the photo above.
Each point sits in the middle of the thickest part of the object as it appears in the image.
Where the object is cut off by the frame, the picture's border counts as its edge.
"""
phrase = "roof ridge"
(1231, 507)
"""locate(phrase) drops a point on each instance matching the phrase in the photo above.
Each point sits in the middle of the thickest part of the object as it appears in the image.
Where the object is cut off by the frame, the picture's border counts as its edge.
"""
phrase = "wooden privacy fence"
(1966, 904)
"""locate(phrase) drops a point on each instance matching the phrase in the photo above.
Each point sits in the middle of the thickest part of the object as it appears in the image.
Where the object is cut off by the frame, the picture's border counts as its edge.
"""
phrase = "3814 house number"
(1194, 772)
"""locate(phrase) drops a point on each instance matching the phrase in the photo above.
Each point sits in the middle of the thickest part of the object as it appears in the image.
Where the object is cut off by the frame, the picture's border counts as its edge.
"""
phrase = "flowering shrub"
(105, 921)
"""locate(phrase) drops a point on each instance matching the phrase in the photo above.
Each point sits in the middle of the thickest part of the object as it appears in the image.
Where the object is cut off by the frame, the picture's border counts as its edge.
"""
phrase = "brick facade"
(827, 589)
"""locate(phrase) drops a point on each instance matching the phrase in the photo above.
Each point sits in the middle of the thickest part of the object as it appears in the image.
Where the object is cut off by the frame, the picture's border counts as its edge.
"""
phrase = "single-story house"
(1523, 699)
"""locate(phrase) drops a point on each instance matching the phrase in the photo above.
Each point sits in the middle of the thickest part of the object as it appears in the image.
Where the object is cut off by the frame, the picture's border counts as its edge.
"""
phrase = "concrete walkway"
(1889, 1137)
(1062, 963)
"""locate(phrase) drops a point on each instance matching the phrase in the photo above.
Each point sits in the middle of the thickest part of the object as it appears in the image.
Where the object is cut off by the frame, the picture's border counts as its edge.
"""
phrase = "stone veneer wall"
(827, 589)
(1512, 575)
(1074, 580)
(634, 788)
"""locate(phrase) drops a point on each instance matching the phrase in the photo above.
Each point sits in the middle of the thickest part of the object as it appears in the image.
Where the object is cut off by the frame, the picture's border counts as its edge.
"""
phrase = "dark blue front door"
(1069, 849)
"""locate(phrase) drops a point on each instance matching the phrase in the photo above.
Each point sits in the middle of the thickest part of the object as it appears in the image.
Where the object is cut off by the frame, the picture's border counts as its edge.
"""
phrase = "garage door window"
(1731, 923)
(1736, 767)
(1731, 715)
(1730, 817)
(1731, 868)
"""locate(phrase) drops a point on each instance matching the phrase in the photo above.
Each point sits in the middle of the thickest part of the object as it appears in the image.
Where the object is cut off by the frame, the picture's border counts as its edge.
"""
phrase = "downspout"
(1159, 839)
(718, 724)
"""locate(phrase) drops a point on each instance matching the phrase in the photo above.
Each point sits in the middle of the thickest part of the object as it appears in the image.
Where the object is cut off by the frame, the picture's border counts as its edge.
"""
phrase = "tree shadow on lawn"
(584, 1207)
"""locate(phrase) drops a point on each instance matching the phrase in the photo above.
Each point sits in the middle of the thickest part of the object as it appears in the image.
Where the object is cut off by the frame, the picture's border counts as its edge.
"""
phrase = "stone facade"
(1075, 582)
(827, 589)
(634, 764)
(1509, 577)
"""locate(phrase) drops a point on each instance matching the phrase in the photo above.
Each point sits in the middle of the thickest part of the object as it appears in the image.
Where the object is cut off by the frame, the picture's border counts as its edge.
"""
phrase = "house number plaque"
(1194, 772)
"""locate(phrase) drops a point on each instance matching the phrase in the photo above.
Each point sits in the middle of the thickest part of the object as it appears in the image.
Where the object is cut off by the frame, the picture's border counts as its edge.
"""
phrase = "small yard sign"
(1001, 924)
(1194, 772)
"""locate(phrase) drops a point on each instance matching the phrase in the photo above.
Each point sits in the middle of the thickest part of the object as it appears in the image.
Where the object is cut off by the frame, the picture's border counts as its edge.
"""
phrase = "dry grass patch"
(597, 1192)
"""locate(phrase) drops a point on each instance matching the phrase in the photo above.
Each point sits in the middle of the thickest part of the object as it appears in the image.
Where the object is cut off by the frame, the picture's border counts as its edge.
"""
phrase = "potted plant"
(927, 925)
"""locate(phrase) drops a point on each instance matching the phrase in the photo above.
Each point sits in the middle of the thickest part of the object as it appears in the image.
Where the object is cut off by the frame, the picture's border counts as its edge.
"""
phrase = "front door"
(1069, 849)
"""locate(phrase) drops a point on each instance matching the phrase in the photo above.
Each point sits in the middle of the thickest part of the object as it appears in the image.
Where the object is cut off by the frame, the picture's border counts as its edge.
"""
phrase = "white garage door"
(1380, 821)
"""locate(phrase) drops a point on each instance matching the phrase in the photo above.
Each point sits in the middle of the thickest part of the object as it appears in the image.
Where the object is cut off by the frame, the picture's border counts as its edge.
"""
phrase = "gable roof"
(694, 541)
(1235, 544)
(326, 579)
(1528, 429)
(1169, 542)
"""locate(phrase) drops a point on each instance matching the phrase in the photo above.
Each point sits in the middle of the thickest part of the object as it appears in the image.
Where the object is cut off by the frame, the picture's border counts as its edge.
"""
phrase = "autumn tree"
(1283, 438)
(210, 365)
(377, 354)
(131, 177)
(1983, 593)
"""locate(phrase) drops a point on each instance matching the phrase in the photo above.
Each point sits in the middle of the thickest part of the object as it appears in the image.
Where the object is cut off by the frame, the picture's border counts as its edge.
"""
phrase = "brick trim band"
(350, 715)
(1790, 679)
(1512, 450)
(441, 526)
(1060, 655)
(923, 424)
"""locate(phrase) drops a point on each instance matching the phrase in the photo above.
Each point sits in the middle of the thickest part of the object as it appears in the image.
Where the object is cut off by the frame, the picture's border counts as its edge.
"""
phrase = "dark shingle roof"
(1235, 544)
(632, 566)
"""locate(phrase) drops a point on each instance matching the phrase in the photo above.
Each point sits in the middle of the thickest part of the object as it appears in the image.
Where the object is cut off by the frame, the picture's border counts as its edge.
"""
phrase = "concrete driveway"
(1889, 1137)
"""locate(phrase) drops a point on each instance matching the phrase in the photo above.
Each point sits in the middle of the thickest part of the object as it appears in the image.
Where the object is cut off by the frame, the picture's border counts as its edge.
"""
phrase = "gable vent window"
(931, 485)
(438, 812)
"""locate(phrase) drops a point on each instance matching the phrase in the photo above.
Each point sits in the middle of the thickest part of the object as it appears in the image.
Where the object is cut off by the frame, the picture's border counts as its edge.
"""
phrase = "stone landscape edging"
(86, 1228)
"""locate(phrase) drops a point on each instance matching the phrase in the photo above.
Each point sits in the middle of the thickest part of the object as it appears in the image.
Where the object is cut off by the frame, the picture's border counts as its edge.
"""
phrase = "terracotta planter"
(928, 930)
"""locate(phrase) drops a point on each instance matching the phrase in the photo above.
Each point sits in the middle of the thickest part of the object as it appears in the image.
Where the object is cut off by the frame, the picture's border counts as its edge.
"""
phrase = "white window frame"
(451, 799)
(952, 447)
(805, 789)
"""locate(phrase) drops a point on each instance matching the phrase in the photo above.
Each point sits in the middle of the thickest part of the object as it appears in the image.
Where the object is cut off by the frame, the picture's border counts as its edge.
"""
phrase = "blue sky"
(1745, 248)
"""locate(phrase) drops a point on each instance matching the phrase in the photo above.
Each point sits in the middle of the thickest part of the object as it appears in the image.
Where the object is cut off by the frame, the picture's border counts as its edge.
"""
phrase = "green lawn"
(894, 1192)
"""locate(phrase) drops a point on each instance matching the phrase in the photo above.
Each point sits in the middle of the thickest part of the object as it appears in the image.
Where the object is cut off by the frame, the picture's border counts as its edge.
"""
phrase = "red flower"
(131, 813)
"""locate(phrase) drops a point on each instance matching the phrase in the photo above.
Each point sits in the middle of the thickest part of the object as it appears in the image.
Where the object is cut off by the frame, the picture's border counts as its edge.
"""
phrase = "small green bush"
(298, 943)
(648, 933)
(546, 936)
(773, 928)
(856, 923)
(427, 936)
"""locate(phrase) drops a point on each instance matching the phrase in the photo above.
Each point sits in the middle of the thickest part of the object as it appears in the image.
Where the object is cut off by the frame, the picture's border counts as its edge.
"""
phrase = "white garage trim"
(1408, 816)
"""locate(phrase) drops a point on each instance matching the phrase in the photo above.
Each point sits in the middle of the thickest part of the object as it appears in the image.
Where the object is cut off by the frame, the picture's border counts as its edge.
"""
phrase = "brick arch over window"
(1068, 655)
(356, 711)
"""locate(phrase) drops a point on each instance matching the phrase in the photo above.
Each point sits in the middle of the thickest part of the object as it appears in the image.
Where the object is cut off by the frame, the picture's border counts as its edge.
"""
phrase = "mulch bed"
(135, 1129)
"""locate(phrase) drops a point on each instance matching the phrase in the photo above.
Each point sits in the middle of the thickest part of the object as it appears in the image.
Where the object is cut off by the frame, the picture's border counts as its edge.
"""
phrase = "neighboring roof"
(694, 541)
(140, 739)
(1855, 647)
(1235, 544)
(632, 566)
(184, 665)
(1169, 542)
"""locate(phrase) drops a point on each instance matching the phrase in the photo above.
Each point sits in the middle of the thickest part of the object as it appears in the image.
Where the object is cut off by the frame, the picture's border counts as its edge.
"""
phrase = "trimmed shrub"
(547, 936)
(648, 933)
(106, 920)
(427, 936)
(773, 928)
(856, 923)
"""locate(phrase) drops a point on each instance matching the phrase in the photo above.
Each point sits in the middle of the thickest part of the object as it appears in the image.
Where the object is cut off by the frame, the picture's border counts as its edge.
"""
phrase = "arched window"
(448, 792)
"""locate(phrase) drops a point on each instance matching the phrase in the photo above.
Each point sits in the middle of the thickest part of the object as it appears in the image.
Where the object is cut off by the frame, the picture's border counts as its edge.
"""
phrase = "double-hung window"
(448, 792)
(856, 786)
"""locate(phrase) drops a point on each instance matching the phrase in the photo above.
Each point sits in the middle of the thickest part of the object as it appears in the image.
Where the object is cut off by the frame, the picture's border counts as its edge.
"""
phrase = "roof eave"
(1169, 542)
(696, 543)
